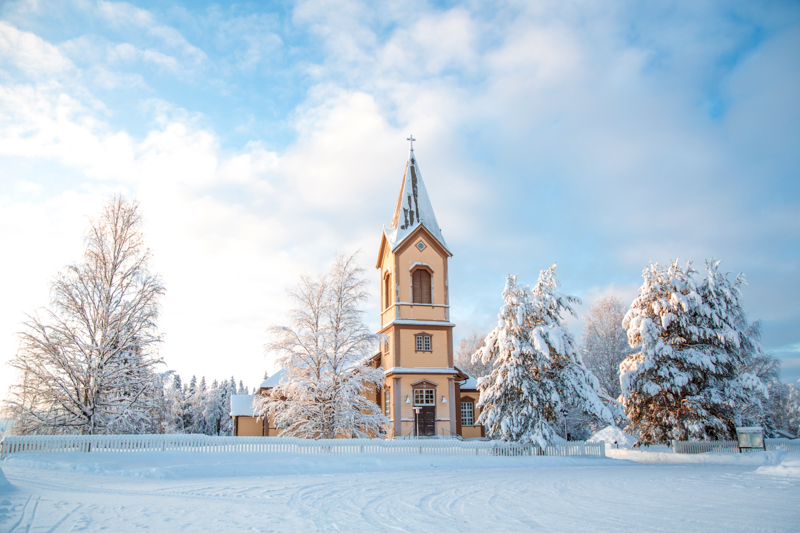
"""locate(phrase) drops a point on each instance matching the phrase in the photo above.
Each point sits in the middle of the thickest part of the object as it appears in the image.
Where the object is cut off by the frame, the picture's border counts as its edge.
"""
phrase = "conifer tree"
(686, 381)
(176, 405)
(536, 373)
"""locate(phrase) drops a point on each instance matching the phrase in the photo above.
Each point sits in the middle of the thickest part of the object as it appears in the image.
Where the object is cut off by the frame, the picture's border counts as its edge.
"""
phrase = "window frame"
(420, 286)
(423, 342)
(471, 413)
(425, 394)
(387, 290)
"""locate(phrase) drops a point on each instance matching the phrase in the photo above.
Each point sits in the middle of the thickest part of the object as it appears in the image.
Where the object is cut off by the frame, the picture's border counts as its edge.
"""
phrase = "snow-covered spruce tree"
(86, 364)
(175, 405)
(324, 392)
(605, 343)
(537, 373)
(685, 383)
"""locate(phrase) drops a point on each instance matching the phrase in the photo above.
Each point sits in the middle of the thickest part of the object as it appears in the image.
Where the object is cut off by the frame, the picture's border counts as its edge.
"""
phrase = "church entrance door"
(426, 421)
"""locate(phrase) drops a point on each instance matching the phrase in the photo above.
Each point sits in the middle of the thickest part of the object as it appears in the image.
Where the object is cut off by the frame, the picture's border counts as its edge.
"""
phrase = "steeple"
(413, 206)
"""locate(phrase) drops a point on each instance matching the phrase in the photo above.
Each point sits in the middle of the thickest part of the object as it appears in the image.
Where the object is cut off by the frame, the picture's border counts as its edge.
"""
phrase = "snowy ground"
(631, 491)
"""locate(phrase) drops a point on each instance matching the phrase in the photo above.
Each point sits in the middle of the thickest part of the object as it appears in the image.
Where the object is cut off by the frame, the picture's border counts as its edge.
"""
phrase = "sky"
(261, 139)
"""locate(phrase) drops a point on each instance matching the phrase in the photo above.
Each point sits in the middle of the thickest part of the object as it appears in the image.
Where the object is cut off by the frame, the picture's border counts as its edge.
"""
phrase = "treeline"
(197, 407)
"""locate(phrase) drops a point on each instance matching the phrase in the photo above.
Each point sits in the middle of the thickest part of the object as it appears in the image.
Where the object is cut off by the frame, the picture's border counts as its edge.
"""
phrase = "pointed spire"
(413, 205)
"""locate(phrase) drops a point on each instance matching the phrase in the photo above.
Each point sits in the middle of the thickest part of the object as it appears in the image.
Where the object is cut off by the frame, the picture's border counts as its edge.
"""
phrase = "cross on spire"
(411, 139)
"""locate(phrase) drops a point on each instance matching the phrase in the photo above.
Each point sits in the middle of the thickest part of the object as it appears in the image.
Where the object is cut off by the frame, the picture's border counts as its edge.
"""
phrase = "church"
(424, 394)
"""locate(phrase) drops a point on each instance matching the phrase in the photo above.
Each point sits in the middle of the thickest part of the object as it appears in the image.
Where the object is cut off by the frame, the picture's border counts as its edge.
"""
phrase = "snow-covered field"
(181, 491)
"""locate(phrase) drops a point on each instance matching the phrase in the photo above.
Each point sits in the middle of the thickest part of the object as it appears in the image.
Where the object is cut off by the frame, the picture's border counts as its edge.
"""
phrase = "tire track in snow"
(23, 514)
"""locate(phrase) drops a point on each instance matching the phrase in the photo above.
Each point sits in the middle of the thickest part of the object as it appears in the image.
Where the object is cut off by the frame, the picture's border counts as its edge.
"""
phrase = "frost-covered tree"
(785, 406)
(198, 405)
(537, 373)
(176, 405)
(752, 359)
(605, 343)
(324, 393)
(225, 423)
(686, 381)
(87, 363)
(467, 347)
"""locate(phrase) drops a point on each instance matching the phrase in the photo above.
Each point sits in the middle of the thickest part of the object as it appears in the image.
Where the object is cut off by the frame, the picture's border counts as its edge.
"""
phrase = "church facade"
(424, 394)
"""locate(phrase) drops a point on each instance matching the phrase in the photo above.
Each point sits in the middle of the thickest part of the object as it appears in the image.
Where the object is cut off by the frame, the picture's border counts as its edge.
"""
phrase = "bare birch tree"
(324, 353)
(467, 347)
(86, 364)
(605, 343)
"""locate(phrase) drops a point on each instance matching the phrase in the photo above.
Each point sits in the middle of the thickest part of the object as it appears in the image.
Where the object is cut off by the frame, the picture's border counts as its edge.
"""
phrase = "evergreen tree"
(198, 408)
(226, 424)
(685, 382)
(189, 391)
(537, 374)
(176, 405)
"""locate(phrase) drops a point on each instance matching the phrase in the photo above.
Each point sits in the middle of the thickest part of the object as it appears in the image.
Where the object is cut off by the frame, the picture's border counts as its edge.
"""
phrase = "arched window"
(387, 291)
(421, 287)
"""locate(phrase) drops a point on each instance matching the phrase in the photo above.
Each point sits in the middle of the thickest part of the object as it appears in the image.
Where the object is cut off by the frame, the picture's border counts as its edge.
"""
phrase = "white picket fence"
(207, 444)
(731, 446)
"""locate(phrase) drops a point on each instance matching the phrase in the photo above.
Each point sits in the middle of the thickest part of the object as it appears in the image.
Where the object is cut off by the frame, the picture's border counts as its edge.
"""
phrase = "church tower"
(421, 389)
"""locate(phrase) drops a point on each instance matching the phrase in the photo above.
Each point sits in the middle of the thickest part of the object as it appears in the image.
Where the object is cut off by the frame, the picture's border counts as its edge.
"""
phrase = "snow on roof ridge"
(273, 379)
(413, 207)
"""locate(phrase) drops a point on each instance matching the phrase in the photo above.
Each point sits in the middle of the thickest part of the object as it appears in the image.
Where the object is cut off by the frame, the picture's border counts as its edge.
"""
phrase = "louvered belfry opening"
(421, 284)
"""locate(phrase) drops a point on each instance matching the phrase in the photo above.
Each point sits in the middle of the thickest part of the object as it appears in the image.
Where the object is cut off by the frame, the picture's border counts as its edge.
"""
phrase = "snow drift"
(4, 484)
(611, 434)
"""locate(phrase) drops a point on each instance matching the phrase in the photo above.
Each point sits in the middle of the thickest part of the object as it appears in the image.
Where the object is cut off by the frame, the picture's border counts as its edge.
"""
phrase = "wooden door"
(426, 421)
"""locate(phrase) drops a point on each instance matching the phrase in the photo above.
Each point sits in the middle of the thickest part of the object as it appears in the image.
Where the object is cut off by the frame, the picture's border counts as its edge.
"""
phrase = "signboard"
(750, 437)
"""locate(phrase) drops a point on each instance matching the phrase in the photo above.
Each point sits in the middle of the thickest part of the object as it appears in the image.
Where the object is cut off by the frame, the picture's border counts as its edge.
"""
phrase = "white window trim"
(471, 413)
(425, 397)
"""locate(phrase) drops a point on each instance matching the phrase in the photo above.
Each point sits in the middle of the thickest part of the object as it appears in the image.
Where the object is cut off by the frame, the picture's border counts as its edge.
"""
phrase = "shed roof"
(273, 380)
(242, 405)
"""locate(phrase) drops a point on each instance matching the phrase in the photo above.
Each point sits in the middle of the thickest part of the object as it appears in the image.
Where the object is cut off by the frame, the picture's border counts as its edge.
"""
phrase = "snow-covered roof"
(242, 404)
(470, 384)
(273, 379)
(368, 358)
(413, 208)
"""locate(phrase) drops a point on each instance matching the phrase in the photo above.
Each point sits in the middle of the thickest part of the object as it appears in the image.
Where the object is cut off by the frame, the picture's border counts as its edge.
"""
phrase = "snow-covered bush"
(537, 373)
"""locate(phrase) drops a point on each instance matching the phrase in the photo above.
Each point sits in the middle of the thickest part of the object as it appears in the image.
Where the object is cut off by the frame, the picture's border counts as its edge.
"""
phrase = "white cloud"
(31, 54)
